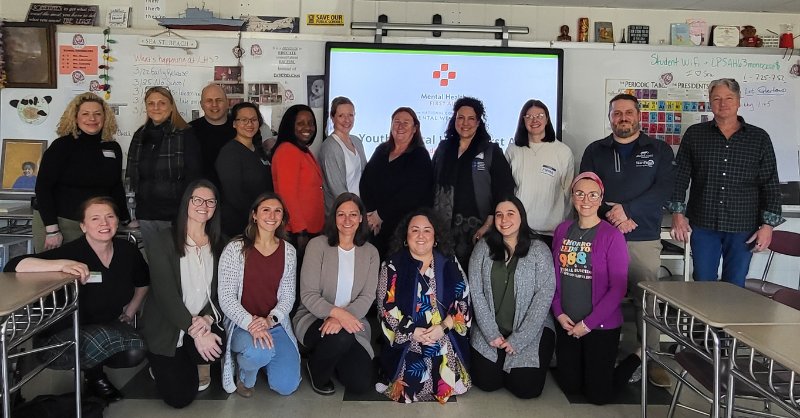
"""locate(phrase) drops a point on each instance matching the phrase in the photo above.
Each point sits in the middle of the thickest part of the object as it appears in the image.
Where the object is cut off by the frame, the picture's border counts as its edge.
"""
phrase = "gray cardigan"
(318, 279)
(334, 172)
(534, 285)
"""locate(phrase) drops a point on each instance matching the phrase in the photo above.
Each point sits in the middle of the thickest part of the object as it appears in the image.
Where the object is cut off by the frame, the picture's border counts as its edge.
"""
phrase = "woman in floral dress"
(425, 314)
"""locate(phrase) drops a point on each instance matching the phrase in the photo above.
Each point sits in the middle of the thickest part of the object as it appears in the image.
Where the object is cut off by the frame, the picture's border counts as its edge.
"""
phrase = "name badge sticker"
(95, 277)
(109, 153)
(549, 171)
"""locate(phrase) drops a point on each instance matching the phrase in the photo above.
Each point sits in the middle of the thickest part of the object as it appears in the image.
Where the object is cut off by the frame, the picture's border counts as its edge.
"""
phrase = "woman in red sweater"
(297, 176)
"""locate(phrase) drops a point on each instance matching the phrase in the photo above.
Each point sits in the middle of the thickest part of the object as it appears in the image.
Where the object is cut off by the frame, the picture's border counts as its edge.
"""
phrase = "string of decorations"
(2, 58)
(106, 66)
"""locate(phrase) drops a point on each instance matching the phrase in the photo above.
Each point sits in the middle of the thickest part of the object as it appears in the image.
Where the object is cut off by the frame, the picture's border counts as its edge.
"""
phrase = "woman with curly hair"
(470, 172)
(425, 314)
(84, 162)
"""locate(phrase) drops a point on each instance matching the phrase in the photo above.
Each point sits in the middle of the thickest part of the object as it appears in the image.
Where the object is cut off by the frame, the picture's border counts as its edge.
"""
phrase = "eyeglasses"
(538, 116)
(593, 196)
(198, 201)
(254, 121)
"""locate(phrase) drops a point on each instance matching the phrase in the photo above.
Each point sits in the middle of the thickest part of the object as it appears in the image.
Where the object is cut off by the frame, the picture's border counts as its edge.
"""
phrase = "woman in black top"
(470, 172)
(83, 162)
(114, 281)
(243, 169)
(164, 157)
(397, 179)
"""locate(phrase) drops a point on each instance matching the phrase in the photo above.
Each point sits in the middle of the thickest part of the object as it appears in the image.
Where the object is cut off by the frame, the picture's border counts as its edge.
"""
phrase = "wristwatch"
(274, 319)
(445, 328)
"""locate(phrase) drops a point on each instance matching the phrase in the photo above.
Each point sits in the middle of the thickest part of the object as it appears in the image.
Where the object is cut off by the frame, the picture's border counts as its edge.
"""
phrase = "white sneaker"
(204, 377)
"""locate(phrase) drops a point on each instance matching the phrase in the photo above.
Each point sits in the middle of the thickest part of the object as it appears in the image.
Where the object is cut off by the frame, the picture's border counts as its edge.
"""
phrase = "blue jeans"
(281, 362)
(707, 247)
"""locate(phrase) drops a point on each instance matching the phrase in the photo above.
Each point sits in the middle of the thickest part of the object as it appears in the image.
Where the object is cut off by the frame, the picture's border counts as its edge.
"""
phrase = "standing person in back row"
(543, 168)
(638, 173)
(734, 202)
(214, 129)
(469, 173)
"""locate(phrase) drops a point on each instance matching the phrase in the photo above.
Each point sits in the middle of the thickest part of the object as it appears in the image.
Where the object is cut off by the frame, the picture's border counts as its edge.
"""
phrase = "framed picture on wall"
(20, 162)
(30, 54)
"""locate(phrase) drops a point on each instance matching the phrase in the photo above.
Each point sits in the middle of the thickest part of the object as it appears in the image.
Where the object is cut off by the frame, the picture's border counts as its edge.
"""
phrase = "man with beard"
(638, 175)
(735, 200)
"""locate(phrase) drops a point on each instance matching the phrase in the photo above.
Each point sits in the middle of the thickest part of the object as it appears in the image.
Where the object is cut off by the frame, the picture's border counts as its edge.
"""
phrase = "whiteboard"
(276, 72)
(770, 97)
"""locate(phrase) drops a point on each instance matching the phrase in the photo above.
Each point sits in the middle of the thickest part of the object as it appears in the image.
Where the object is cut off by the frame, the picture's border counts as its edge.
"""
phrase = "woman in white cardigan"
(256, 293)
(341, 155)
(337, 287)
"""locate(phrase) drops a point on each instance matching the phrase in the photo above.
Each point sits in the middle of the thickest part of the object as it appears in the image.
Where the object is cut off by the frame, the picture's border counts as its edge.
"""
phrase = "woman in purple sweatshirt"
(591, 265)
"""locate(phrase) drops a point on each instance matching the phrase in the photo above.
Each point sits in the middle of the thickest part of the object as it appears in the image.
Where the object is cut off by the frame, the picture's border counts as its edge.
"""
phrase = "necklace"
(536, 147)
(585, 231)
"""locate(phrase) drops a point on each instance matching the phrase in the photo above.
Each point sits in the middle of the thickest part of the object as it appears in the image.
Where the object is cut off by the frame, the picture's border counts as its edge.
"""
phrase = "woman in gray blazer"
(338, 281)
(341, 155)
(512, 278)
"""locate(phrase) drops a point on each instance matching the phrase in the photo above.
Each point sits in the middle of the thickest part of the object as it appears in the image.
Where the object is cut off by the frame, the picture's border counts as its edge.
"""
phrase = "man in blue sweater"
(638, 175)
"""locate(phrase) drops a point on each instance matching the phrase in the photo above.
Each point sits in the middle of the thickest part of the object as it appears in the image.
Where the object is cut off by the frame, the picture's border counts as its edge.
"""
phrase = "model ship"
(199, 19)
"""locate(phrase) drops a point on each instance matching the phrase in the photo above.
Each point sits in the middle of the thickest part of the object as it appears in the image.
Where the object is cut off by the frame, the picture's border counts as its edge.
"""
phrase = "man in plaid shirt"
(734, 202)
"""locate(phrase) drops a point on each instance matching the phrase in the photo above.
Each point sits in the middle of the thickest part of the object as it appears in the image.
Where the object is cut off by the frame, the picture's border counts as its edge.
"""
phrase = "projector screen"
(430, 78)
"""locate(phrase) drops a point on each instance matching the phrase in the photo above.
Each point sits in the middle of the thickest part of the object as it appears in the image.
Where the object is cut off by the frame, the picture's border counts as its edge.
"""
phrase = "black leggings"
(176, 377)
(339, 353)
(586, 365)
(523, 382)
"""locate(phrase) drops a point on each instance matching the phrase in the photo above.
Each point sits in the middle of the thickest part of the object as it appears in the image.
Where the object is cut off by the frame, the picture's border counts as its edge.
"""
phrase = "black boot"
(97, 384)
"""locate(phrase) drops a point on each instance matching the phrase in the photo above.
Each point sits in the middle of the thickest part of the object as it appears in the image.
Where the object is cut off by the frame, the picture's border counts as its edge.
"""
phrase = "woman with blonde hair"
(164, 157)
(84, 162)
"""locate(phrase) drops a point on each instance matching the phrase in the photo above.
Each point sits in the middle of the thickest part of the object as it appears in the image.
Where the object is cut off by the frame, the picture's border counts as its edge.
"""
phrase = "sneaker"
(636, 377)
(658, 376)
(243, 391)
(204, 376)
(326, 389)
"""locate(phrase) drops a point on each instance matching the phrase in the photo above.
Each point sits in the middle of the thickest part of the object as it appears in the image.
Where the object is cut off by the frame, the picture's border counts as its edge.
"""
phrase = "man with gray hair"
(734, 202)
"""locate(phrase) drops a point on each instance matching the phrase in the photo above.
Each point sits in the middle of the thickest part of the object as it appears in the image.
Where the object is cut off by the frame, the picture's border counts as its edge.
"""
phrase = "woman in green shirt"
(512, 279)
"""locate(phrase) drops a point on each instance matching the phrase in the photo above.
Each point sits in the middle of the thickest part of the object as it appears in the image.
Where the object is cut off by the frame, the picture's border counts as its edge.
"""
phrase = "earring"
(405, 243)
(436, 243)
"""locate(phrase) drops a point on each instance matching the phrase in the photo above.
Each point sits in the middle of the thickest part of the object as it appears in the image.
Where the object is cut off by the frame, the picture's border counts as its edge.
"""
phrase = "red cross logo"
(443, 75)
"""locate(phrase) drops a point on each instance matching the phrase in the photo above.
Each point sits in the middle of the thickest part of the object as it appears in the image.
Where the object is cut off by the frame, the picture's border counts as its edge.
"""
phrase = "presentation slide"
(429, 79)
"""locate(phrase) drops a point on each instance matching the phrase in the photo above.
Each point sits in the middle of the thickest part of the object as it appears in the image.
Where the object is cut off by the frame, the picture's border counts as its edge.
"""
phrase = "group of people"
(478, 272)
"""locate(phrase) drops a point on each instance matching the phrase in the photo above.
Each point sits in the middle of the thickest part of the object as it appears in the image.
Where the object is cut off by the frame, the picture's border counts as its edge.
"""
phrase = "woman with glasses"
(243, 169)
(182, 318)
(470, 172)
(591, 265)
(397, 179)
(341, 155)
(164, 157)
(543, 168)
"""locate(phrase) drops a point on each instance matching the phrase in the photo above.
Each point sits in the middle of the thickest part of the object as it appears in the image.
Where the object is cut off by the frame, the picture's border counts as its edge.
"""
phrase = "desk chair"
(702, 370)
(783, 242)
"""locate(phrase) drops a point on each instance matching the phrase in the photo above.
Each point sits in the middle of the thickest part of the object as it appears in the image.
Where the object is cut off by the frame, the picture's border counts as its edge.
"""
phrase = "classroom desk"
(694, 314)
(777, 344)
(32, 302)
(19, 222)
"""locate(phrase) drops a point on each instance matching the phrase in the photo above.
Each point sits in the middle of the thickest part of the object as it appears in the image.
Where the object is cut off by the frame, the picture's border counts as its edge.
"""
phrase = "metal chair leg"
(676, 394)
